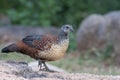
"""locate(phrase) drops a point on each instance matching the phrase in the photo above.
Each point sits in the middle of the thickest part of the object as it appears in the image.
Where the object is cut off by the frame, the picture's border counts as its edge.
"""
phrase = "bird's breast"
(56, 51)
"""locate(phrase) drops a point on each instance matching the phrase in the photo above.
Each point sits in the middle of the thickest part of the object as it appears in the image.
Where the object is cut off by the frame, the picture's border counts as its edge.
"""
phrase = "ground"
(10, 70)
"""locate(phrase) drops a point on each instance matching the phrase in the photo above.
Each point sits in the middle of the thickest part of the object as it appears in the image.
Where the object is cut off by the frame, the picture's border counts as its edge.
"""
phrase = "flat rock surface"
(34, 66)
(11, 70)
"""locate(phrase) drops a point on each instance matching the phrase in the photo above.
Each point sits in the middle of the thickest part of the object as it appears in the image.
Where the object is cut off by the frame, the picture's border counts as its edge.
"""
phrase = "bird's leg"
(46, 68)
(40, 64)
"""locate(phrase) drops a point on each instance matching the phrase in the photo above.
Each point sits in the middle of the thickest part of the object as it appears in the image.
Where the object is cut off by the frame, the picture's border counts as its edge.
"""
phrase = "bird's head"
(67, 28)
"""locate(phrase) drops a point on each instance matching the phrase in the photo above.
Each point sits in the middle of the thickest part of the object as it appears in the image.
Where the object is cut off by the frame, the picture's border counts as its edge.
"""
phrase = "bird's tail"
(10, 48)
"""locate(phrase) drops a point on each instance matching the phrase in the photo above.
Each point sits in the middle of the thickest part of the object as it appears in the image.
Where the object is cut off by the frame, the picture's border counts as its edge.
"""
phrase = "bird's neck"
(62, 36)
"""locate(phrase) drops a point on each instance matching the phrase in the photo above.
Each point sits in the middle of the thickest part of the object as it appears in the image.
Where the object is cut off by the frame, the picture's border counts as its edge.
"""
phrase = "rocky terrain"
(11, 70)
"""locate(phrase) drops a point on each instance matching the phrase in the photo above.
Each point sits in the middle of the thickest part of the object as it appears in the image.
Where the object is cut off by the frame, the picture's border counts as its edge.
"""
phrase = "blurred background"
(95, 44)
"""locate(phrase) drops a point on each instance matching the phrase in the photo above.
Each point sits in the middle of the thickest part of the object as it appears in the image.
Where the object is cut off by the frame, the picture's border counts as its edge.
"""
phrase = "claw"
(46, 68)
(42, 64)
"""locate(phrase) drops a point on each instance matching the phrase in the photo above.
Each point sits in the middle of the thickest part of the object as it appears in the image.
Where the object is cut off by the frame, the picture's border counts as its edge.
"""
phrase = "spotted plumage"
(43, 47)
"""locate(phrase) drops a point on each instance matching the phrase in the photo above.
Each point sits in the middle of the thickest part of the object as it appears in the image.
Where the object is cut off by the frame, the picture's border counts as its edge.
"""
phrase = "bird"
(43, 48)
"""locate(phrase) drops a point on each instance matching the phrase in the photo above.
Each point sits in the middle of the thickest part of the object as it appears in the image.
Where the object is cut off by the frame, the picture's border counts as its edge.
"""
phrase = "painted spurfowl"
(43, 47)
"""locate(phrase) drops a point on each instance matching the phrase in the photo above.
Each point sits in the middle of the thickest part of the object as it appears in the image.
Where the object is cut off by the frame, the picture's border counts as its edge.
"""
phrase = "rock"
(97, 31)
(92, 33)
(113, 19)
(34, 66)
(12, 70)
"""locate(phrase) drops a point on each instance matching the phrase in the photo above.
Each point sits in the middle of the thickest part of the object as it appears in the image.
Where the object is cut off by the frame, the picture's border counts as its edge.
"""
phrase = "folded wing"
(40, 42)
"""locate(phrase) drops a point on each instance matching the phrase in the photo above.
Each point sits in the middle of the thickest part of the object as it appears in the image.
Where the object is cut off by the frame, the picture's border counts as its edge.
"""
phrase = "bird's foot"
(49, 70)
(43, 67)
(46, 69)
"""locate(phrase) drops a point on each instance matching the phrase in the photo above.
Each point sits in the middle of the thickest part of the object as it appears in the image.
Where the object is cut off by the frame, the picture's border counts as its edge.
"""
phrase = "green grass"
(15, 57)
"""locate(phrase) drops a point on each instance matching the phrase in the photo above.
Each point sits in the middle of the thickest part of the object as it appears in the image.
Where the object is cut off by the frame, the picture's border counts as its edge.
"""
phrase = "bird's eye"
(67, 27)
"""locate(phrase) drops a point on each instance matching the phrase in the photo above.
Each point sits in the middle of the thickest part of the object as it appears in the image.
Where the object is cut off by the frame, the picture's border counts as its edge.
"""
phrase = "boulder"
(113, 19)
(92, 33)
(97, 31)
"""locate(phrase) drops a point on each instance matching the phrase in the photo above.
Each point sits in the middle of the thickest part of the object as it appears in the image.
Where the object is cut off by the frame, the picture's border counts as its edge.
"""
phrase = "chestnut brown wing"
(40, 42)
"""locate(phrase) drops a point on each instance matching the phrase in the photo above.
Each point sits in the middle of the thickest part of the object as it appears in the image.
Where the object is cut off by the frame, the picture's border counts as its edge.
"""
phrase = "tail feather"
(10, 48)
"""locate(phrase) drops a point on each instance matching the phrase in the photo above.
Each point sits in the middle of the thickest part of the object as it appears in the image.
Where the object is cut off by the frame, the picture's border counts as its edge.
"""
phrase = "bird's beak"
(72, 30)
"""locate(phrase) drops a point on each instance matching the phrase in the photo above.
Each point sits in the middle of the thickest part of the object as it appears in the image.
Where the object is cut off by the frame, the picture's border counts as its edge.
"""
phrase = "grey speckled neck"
(62, 36)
